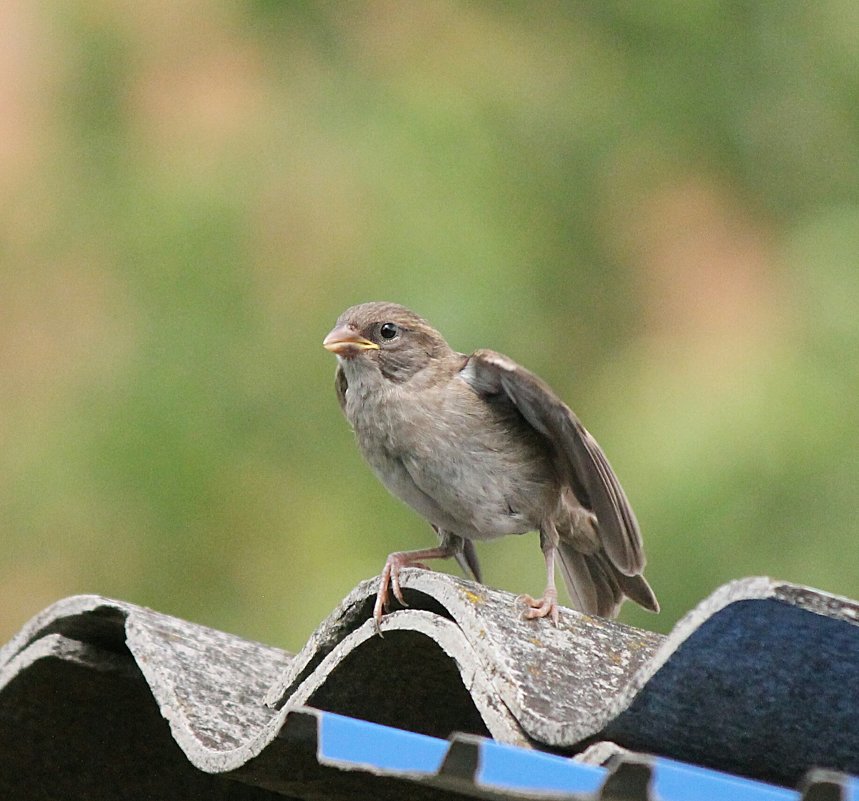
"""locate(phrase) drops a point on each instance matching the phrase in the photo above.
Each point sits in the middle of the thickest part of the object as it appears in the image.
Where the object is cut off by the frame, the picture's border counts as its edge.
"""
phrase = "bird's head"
(386, 337)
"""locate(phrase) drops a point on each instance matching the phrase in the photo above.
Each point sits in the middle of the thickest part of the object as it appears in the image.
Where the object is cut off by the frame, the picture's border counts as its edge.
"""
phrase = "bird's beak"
(344, 340)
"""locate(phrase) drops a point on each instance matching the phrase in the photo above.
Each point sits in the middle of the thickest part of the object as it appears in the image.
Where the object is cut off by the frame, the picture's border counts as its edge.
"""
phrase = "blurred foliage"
(654, 206)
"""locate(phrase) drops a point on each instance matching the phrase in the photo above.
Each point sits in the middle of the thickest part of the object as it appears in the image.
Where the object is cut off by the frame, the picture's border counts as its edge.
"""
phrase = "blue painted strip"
(512, 768)
(348, 741)
(678, 781)
(357, 742)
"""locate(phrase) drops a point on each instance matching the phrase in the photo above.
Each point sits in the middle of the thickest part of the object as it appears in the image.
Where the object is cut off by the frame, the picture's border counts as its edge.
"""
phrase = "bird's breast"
(462, 464)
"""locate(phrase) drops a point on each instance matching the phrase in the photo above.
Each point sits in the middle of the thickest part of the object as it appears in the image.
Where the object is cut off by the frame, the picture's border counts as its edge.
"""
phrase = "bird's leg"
(548, 604)
(390, 578)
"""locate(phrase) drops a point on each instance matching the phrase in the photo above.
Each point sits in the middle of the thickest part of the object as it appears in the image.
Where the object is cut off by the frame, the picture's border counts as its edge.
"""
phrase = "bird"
(483, 448)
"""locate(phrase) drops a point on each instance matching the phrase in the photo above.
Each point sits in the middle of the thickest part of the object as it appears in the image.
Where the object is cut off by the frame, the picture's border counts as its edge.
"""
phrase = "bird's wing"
(580, 459)
(340, 387)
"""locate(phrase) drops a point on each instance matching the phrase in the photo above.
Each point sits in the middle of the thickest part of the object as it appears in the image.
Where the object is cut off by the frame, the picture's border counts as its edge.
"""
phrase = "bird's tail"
(467, 560)
(597, 587)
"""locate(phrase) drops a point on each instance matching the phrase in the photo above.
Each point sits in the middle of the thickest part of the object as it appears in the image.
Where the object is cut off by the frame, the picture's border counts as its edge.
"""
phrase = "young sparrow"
(482, 448)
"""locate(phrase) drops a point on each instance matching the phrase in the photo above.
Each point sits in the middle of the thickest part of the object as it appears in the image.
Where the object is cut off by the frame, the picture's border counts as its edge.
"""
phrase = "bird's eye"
(389, 330)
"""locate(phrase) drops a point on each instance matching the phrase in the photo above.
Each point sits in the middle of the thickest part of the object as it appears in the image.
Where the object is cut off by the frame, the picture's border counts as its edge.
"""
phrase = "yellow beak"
(344, 340)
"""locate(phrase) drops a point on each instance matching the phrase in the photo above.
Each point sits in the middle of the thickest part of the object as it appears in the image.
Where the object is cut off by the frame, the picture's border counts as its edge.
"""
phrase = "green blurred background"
(655, 206)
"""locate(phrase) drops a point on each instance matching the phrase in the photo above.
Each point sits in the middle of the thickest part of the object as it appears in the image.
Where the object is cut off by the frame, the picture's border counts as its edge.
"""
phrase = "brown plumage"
(482, 448)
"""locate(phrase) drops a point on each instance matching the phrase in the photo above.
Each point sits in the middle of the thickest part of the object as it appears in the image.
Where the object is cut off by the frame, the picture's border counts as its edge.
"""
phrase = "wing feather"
(340, 387)
(581, 461)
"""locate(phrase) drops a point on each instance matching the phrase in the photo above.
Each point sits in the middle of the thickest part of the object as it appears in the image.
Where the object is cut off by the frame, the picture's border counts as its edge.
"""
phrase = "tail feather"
(581, 587)
(597, 587)
(637, 589)
(467, 561)
(463, 551)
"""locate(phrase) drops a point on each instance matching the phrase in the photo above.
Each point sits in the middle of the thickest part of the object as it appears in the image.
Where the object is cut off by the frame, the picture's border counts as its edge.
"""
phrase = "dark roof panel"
(101, 699)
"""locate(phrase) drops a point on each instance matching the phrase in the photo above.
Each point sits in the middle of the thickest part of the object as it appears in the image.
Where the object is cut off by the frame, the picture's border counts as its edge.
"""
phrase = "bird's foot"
(390, 580)
(547, 606)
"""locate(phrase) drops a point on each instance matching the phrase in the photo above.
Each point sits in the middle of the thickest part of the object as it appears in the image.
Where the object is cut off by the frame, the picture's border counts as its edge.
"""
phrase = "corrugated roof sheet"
(104, 699)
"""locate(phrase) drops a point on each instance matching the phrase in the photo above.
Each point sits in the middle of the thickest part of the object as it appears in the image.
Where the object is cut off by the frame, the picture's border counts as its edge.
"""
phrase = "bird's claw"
(547, 606)
(390, 580)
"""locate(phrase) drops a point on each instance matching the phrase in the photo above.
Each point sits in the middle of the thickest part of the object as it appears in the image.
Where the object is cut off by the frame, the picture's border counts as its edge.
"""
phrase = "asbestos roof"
(101, 699)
